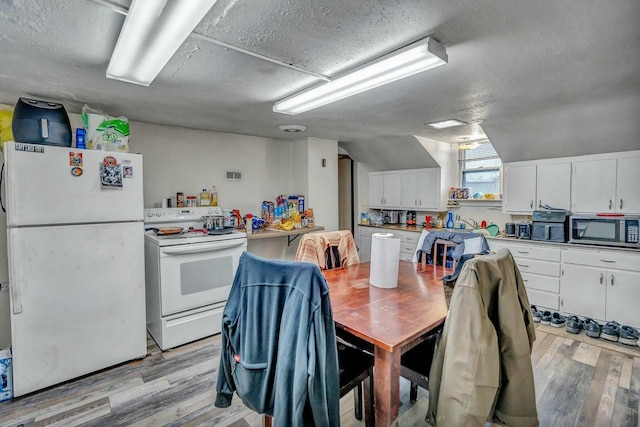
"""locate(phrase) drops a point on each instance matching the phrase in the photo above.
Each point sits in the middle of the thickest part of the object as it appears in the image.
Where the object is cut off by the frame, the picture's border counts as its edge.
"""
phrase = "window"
(480, 169)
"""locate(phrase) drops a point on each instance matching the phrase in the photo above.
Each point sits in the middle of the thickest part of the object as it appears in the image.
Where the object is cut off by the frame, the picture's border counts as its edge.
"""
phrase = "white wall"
(188, 160)
(323, 182)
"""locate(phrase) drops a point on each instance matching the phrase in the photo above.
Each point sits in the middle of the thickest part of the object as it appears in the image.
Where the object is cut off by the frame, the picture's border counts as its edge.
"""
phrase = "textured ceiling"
(540, 79)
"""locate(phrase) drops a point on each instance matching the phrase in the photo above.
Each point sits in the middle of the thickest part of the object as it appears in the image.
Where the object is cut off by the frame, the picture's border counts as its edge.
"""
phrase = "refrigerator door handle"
(14, 291)
(44, 128)
(14, 285)
(192, 249)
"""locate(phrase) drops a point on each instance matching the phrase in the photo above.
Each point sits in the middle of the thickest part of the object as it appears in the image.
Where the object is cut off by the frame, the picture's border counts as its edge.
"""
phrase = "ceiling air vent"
(232, 175)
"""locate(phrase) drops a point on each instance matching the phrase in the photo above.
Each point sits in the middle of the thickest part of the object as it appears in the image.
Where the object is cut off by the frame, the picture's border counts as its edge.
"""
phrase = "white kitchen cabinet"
(519, 188)
(364, 243)
(553, 185)
(527, 186)
(602, 284)
(584, 291)
(421, 189)
(539, 266)
(607, 185)
(593, 186)
(408, 242)
(628, 180)
(384, 190)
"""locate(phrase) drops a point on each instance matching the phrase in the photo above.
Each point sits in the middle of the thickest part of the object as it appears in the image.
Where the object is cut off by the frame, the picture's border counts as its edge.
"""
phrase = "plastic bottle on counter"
(205, 198)
(248, 223)
(214, 196)
(450, 223)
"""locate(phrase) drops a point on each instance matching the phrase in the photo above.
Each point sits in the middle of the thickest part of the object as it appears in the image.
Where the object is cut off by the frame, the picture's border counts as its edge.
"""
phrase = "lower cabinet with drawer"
(602, 284)
(540, 269)
(408, 242)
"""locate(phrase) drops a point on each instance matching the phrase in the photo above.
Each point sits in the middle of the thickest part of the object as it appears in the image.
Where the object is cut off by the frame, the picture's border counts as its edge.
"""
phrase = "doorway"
(345, 193)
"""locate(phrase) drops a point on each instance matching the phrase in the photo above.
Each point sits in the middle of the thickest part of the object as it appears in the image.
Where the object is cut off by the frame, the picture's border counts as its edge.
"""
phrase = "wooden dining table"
(393, 320)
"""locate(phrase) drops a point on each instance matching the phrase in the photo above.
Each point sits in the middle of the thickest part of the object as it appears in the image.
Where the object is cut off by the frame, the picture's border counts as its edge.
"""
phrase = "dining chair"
(330, 250)
(489, 322)
(278, 346)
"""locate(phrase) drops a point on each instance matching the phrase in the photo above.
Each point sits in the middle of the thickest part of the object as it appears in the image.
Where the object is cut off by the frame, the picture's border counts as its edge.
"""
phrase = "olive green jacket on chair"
(482, 367)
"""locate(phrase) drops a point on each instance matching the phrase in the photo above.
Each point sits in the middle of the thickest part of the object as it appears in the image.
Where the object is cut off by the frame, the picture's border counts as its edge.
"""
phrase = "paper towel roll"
(385, 256)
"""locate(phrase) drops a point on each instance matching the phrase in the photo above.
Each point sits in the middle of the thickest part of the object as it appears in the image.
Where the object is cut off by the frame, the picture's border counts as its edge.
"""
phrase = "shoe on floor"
(629, 335)
(574, 324)
(536, 314)
(592, 328)
(546, 317)
(558, 320)
(610, 331)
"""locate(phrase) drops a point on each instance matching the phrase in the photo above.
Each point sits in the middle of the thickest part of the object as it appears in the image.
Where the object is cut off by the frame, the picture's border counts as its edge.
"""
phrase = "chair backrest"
(328, 250)
(279, 344)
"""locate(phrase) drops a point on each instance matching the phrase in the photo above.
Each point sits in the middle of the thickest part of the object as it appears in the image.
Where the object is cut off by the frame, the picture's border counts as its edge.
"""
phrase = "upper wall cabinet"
(421, 189)
(527, 186)
(411, 189)
(606, 186)
(384, 190)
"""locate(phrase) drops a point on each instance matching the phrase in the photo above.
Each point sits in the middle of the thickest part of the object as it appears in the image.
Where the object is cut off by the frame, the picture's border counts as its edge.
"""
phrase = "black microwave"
(608, 230)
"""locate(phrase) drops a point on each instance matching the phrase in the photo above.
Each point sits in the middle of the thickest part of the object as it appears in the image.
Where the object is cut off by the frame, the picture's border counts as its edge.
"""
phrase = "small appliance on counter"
(390, 217)
(606, 230)
(411, 217)
(523, 230)
(41, 122)
(550, 225)
(510, 229)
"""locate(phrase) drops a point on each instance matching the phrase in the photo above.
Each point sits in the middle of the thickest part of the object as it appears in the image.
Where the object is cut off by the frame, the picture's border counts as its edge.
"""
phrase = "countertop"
(500, 237)
(266, 233)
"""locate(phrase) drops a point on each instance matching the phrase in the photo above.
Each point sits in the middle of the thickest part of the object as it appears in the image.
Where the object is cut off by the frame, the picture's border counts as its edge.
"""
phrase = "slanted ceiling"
(540, 79)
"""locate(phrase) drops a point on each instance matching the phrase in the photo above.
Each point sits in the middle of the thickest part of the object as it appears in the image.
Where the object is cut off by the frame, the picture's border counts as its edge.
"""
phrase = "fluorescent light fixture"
(446, 124)
(152, 32)
(412, 59)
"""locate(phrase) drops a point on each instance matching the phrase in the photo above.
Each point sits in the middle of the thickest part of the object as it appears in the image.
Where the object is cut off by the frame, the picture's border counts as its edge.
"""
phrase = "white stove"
(188, 275)
(188, 219)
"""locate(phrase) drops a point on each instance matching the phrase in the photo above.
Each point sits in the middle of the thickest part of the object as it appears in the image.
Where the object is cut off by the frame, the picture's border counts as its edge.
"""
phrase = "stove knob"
(149, 213)
(211, 211)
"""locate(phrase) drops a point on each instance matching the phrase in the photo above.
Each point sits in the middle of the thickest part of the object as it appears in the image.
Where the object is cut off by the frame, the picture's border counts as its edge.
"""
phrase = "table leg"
(387, 387)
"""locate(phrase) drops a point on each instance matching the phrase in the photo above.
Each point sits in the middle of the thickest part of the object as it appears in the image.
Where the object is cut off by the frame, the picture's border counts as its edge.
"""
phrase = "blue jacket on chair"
(278, 343)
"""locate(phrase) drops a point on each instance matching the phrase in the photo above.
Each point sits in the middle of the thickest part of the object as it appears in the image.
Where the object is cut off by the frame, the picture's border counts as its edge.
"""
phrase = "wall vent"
(232, 175)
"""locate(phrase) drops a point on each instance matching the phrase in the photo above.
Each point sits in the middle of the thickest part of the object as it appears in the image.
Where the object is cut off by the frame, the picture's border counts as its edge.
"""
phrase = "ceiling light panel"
(412, 59)
(152, 33)
(446, 124)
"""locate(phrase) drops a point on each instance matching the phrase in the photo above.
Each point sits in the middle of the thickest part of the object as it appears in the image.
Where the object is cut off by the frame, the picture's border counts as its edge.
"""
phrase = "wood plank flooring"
(577, 384)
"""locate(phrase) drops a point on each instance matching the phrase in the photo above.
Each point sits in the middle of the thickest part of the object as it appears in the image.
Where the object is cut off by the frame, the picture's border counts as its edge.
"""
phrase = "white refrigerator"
(75, 240)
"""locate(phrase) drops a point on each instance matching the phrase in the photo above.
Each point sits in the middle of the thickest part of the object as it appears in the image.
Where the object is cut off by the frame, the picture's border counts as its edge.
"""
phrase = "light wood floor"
(577, 384)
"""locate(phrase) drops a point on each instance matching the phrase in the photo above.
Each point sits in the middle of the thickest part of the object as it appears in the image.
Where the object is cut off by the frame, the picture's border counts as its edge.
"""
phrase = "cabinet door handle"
(381, 200)
(610, 204)
(531, 204)
(612, 280)
(523, 266)
(421, 202)
(609, 261)
(415, 203)
(620, 203)
(601, 278)
(523, 252)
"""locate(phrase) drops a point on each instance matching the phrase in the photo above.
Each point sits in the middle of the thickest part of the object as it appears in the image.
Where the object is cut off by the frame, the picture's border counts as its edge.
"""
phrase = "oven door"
(199, 274)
